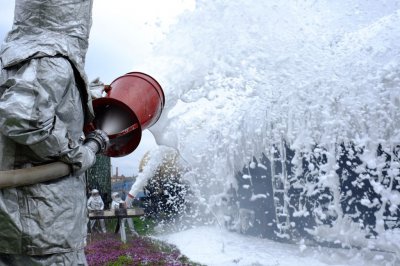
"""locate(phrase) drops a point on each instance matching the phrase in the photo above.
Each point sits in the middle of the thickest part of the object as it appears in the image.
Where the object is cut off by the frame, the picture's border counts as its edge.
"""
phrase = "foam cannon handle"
(97, 141)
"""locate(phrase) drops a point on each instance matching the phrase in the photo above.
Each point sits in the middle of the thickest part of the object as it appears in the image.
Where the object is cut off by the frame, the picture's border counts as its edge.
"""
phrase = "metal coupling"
(97, 141)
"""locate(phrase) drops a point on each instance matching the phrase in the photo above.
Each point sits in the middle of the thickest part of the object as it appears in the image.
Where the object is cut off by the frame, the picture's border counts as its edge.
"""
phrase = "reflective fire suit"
(95, 203)
(116, 201)
(44, 102)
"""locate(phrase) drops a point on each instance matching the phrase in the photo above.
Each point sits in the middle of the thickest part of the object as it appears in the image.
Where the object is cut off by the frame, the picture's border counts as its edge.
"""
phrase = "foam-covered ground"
(215, 247)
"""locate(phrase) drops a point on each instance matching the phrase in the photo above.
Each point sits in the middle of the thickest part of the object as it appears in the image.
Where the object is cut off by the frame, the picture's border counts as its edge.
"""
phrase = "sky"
(122, 37)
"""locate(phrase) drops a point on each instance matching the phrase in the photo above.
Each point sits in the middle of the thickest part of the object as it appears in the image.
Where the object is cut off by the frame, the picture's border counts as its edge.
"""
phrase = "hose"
(33, 175)
(96, 140)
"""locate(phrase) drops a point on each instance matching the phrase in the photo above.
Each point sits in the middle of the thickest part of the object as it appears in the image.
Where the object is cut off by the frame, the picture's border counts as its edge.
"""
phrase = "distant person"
(116, 203)
(95, 203)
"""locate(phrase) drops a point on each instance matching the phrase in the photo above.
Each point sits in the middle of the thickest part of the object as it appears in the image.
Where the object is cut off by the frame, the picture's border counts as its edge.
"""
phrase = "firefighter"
(115, 204)
(44, 103)
(95, 203)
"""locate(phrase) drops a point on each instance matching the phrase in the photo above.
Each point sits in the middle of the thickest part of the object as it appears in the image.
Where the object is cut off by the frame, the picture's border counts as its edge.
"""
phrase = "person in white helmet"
(95, 203)
(115, 204)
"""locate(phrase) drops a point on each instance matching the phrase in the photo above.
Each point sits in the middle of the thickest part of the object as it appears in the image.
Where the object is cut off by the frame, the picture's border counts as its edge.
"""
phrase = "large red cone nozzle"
(133, 103)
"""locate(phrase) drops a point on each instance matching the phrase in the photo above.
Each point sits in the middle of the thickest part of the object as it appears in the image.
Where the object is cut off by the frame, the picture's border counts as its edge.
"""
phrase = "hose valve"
(97, 141)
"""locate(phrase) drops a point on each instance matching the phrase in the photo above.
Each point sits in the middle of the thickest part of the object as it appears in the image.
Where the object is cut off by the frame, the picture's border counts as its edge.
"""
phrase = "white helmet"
(115, 195)
(94, 191)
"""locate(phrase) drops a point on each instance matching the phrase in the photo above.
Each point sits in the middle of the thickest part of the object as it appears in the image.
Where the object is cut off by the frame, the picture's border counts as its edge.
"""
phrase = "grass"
(143, 226)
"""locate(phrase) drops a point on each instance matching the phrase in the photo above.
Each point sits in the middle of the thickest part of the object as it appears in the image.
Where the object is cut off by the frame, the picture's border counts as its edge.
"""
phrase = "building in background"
(121, 184)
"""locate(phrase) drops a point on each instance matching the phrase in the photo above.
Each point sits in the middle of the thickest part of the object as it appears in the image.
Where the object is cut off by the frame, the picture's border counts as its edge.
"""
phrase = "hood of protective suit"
(51, 28)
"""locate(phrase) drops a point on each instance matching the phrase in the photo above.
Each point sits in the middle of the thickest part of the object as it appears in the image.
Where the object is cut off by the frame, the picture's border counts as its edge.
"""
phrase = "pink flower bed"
(107, 249)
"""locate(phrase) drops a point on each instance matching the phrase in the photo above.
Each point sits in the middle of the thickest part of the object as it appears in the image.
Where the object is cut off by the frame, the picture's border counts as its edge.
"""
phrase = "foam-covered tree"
(166, 190)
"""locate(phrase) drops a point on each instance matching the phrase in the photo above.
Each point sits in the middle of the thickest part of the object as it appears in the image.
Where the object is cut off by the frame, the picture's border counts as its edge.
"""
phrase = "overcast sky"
(121, 39)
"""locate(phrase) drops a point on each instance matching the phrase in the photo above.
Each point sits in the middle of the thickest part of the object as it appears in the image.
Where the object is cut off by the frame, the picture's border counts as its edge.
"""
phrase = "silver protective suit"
(43, 106)
(95, 203)
(115, 204)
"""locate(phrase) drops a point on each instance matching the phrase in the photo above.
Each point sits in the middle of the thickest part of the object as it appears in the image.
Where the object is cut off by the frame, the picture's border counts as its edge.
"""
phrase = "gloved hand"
(83, 157)
(128, 201)
(97, 141)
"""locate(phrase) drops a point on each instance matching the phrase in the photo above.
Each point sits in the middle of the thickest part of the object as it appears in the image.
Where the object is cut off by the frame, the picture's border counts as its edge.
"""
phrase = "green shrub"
(122, 261)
